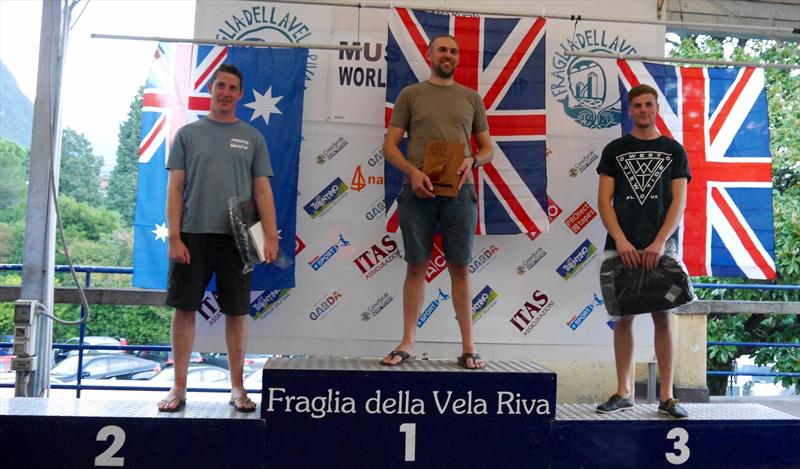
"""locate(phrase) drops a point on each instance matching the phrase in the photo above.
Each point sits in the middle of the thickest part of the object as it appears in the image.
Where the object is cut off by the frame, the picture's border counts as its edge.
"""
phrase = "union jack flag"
(720, 117)
(503, 59)
(176, 93)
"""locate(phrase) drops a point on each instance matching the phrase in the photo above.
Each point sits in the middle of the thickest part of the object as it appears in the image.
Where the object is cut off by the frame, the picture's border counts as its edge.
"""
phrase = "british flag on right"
(720, 117)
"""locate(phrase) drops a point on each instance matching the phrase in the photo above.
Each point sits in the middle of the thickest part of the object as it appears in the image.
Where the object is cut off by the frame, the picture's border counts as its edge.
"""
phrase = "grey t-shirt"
(220, 159)
(445, 113)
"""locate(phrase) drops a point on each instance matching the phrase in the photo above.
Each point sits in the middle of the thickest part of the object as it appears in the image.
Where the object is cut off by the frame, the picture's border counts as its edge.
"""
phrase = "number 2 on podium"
(410, 429)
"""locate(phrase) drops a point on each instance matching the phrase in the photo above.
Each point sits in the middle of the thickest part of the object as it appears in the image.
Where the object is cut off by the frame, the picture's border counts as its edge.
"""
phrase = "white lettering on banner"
(514, 404)
(460, 406)
(362, 76)
(403, 405)
(317, 406)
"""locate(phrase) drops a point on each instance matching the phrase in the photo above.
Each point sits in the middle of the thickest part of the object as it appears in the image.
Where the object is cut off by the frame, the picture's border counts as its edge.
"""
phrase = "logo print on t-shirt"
(643, 170)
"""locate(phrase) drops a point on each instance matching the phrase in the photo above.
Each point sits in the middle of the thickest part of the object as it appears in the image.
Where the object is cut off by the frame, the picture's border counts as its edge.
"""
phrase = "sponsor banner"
(528, 316)
(482, 258)
(584, 163)
(209, 308)
(360, 182)
(326, 199)
(299, 245)
(376, 210)
(317, 262)
(484, 301)
(553, 210)
(324, 306)
(576, 261)
(331, 151)
(361, 72)
(531, 261)
(580, 217)
(376, 307)
(378, 256)
(578, 319)
(431, 308)
(267, 302)
(438, 263)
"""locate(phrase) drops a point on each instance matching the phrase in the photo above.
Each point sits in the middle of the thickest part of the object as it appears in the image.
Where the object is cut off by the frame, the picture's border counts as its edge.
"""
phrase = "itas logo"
(327, 198)
(317, 262)
(267, 302)
(299, 245)
(484, 301)
(577, 260)
(423, 318)
(376, 307)
(578, 319)
(377, 157)
(371, 261)
(359, 183)
(332, 150)
(209, 308)
(580, 84)
(531, 261)
(580, 217)
(531, 312)
(376, 210)
(583, 164)
(483, 259)
(438, 263)
(553, 210)
(325, 306)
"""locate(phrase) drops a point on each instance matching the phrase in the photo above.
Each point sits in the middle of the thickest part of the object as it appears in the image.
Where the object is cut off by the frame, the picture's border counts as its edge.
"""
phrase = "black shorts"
(209, 253)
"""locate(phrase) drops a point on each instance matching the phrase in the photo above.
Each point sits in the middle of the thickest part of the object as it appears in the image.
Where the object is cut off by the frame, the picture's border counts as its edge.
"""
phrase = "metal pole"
(39, 247)
(653, 58)
(225, 42)
(651, 383)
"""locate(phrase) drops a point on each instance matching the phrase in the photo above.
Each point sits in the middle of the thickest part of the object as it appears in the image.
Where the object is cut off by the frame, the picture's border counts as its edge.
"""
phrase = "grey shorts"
(455, 216)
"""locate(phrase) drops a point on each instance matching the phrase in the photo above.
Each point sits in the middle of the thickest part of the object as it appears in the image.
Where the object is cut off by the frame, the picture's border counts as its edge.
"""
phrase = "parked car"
(60, 354)
(102, 367)
(745, 385)
(199, 375)
(252, 361)
(164, 357)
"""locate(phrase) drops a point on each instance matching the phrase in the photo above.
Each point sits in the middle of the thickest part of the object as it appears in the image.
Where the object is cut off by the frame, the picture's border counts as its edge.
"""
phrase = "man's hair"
(639, 90)
(439, 36)
(228, 68)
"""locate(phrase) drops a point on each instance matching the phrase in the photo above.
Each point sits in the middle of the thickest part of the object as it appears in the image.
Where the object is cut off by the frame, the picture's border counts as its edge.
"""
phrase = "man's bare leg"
(662, 323)
(413, 296)
(623, 354)
(236, 342)
(182, 342)
(462, 303)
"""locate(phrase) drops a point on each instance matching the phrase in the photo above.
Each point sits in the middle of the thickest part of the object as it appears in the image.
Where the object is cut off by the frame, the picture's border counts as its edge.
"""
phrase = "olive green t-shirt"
(445, 113)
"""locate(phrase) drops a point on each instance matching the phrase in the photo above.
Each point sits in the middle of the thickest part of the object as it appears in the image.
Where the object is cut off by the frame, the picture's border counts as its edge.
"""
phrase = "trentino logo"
(317, 262)
(483, 302)
(267, 302)
(576, 261)
(327, 198)
(643, 170)
(580, 84)
(578, 319)
(423, 318)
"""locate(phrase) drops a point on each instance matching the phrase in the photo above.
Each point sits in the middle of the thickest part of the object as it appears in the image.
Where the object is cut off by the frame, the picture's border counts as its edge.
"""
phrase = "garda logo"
(423, 318)
(483, 259)
(578, 319)
(359, 182)
(267, 302)
(484, 301)
(438, 263)
(317, 262)
(531, 261)
(577, 260)
(359, 75)
(332, 150)
(376, 210)
(580, 217)
(371, 261)
(376, 307)
(327, 198)
(376, 158)
(532, 311)
(580, 84)
(325, 306)
(583, 164)
(268, 23)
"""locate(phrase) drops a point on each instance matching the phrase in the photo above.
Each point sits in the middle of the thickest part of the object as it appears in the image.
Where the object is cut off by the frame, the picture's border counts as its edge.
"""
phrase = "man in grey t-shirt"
(442, 110)
(210, 161)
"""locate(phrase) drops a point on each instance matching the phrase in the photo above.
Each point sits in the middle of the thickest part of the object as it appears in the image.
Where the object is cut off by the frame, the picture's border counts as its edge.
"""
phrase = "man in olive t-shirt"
(442, 110)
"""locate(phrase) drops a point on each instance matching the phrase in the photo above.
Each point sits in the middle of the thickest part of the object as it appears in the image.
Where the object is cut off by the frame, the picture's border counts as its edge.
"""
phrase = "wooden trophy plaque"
(442, 160)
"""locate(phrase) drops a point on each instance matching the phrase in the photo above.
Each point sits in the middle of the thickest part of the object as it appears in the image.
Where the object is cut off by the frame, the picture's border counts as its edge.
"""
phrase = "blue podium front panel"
(342, 412)
(79, 433)
(716, 436)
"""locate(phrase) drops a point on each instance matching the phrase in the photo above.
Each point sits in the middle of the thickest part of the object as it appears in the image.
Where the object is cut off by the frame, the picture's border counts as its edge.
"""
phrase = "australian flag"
(503, 59)
(720, 117)
(176, 93)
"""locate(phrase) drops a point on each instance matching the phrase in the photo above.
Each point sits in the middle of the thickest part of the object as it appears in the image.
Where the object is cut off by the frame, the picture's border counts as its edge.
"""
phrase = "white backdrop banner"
(532, 298)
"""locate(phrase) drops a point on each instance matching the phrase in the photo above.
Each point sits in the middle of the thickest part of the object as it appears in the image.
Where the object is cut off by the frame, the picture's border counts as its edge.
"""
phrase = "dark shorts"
(210, 253)
(456, 217)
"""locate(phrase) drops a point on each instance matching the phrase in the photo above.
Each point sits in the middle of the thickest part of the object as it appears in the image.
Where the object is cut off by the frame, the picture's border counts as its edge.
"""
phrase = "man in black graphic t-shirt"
(641, 197)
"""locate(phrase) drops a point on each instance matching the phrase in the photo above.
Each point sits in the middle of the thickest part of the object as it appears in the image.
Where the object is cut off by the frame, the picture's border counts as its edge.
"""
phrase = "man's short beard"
(442, 74)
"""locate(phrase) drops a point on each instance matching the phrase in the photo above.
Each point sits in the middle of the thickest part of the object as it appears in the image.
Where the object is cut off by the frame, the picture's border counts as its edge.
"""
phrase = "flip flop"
(168, 403)
(404, 356)
(241, 404)
(462, 361)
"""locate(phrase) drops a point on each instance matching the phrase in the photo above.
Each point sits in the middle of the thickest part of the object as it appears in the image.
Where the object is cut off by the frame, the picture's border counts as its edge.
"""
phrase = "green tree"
(13, 181)
(121, 194)
(80, 168)
(784, 122)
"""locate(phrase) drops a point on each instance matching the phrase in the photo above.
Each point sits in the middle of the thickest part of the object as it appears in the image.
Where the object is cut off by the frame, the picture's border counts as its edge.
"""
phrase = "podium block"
(354, 412)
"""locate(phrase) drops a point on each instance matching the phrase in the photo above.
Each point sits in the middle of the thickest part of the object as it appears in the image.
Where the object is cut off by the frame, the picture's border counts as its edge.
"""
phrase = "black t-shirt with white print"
(643, 171)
